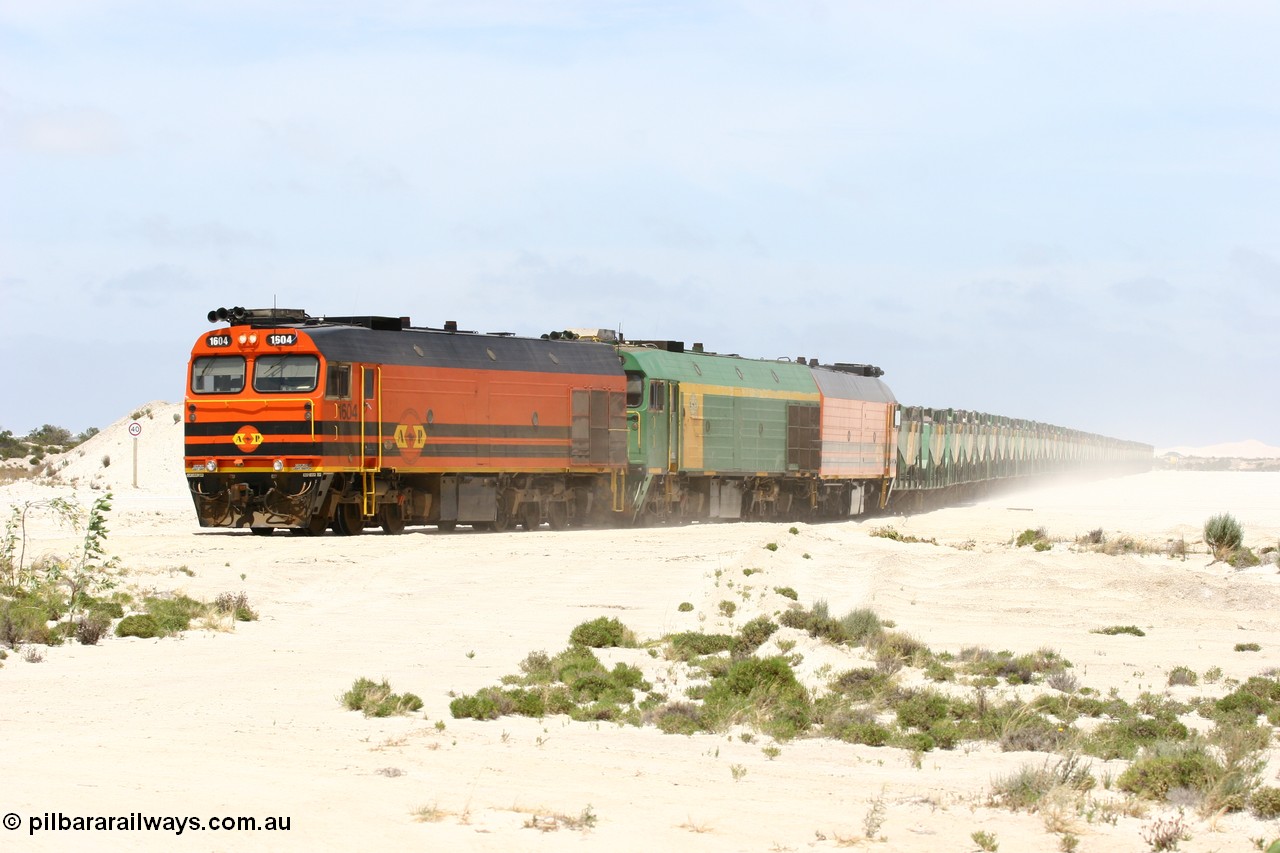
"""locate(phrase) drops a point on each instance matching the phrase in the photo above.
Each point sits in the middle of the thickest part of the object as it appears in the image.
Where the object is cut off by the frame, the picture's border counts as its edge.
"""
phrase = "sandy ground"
(248, 723)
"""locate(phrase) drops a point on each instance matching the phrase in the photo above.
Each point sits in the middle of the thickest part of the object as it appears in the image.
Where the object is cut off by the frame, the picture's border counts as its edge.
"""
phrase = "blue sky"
(1061, 211)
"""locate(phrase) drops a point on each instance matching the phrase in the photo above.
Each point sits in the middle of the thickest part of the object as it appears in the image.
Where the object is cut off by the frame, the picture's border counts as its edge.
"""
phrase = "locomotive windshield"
(635, 389)
(275, 374)
(217, 374)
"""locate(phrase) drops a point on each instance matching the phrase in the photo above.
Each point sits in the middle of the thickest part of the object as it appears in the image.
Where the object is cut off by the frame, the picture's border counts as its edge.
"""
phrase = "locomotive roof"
(432, 348)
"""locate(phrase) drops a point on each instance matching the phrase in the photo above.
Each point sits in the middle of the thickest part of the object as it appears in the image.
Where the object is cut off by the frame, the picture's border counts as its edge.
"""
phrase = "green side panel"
(744, 429)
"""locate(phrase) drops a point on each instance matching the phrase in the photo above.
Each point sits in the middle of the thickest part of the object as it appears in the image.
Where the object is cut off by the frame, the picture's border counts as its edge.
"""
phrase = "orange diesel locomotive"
(305, 423)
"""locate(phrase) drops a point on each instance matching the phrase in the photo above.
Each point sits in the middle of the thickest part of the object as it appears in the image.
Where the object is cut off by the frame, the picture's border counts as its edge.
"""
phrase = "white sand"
(247, 723)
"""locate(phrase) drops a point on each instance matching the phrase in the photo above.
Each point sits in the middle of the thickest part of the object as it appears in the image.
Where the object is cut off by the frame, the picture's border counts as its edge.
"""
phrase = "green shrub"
(173, 615)
(685, 607)
(1265, 803)
(1257, 696)
(1031, 537)
(1158, 770)
(139, 625)
(1113, 630)
(1123, 738)
(759, 691)
(603, 633)
(684, 718)
(753, 634)
(861, 626)
(1243, 558)
(375, 699)
(1222, 533)
(1183, 675)
(690, 644)
(787, 592)
(1248, 647)
(728, 608)
(772, 546)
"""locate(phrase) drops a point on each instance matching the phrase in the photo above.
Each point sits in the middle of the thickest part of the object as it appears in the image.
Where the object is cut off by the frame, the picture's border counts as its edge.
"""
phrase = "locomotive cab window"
(635, 389)
(285, 374)
(337, 383)
(657, 395)
(217, 374)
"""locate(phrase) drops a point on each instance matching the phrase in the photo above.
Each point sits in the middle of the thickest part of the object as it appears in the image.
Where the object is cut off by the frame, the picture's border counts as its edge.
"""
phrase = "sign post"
(135, 430)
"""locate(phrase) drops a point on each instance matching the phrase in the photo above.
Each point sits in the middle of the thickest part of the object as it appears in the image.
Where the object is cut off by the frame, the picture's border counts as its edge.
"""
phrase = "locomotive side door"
(370, 436)
(674, 404)
(370, 417)
(657, 453)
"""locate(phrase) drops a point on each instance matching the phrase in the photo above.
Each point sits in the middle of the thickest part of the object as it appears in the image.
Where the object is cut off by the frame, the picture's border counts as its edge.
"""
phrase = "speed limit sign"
(135, 429)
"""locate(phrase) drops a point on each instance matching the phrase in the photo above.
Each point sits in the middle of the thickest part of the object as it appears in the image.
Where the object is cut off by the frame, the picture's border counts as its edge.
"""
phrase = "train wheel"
(502, 522)
(446, 526)
(392, 519)
(316, 525)
(557, 515)
(530, 515)
(262, 531)
(347, 520)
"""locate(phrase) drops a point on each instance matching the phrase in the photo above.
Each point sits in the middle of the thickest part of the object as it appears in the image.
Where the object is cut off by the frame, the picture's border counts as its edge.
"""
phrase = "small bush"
(1112, 630)
(173, 615)
(1165, 833)
(91, 628)
(691, 644)
(772, 546)
(1157, 771)
(728, 608)
(753, 634)
(1243, 558)
(1248, 647)
(1265, 803)
(1222, 533)
(985, 841)
(861, 626)
(787, 592)
(685, 607)
(235, 605)
(678, 718)
(375, 699)
(1182, 675)
(603, 633)
(1031, 537)
(139, 625)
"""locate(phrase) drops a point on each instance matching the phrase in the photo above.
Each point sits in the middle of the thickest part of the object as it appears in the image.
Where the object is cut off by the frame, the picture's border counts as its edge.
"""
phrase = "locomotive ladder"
(369, 491)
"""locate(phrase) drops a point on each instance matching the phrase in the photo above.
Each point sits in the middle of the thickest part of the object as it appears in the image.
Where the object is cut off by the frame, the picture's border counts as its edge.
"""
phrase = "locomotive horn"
(213, 316)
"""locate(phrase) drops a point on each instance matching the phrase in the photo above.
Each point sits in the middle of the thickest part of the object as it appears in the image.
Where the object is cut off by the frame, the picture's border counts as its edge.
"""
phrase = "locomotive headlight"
(253, 339)
(278, 465)
(243, 338)
(211, 465)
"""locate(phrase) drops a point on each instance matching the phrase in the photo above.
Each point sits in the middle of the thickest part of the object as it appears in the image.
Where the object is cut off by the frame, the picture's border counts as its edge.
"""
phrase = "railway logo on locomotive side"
(247, 438)
(403, 439)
